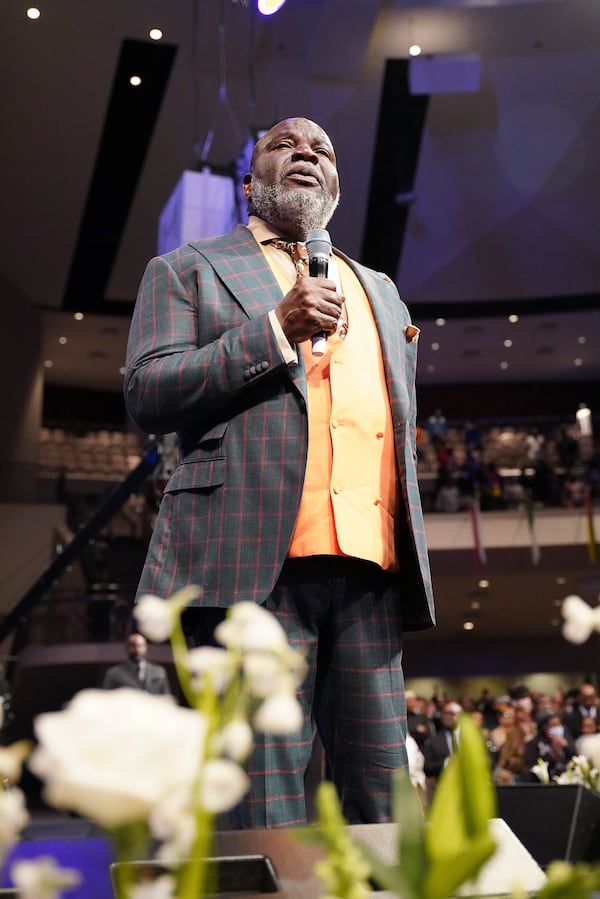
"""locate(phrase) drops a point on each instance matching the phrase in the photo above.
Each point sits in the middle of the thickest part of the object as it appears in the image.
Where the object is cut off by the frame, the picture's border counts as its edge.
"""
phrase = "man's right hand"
(312, 305)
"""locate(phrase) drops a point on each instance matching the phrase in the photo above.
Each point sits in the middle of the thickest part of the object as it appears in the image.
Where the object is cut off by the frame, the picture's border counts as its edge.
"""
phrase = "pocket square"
(411, 333)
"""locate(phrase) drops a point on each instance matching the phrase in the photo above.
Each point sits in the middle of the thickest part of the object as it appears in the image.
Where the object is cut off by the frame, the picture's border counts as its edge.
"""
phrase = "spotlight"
(268, 7)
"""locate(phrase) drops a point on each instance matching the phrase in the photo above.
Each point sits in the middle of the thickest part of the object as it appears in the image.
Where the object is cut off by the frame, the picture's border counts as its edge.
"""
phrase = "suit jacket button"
(253, 370)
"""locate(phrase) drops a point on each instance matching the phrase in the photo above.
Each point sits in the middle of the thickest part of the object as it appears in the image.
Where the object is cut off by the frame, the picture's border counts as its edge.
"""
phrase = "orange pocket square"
(411, 333)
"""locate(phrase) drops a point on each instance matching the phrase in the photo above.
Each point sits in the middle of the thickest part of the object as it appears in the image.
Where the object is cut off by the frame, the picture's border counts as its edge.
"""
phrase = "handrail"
(109, 507)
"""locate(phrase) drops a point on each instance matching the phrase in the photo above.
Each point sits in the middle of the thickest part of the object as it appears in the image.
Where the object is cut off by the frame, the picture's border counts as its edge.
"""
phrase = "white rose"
(280, 713)
(111, 755)
(249, 626)
(42, 878)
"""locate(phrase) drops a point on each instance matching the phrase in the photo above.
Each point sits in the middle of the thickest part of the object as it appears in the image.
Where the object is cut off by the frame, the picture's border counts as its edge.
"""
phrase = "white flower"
(541, 771)
(172, 821)
(268, 672)
(280, 713)
(13, 816)
(249, 626)
(224, 784)
(234, 740)
(155, 616)
(212, 661)
(42, 878)
(12, 758)
(162, 887)
(112, 755)
(580, 619)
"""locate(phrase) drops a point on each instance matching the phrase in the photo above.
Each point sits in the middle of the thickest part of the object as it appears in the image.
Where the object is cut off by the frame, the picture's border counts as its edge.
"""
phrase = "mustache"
(305, 171)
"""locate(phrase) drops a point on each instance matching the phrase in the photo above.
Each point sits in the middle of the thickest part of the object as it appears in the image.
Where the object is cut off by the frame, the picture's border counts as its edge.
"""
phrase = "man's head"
(293, 182)
(451, 712)
(136, 647)
(587, 695)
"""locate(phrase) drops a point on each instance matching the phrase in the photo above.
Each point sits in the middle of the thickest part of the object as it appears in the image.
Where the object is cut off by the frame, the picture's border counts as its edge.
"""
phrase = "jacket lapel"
(241, 266)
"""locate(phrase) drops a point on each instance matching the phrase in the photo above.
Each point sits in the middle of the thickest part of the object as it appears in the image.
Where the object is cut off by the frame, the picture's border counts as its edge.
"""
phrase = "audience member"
(551, 745)
(137, 672)
(438, 749)
(420, 726)
(585, 707)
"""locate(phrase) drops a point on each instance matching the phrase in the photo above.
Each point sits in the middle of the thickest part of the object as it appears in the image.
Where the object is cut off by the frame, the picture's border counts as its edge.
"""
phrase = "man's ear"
(247, 185)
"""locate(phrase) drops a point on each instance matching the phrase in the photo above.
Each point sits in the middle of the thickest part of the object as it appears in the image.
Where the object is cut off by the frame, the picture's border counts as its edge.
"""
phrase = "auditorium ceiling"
(478, 196)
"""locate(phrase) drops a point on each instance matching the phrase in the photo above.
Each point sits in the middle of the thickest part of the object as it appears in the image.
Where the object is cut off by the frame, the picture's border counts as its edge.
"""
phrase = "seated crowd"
(552, 465)
(520, 729)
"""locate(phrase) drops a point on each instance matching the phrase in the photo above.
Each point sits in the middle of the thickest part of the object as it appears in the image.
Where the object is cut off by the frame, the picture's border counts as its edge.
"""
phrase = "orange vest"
(350, 494)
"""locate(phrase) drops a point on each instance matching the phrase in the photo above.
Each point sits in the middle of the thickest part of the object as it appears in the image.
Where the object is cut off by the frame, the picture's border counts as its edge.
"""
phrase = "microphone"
(318, 248)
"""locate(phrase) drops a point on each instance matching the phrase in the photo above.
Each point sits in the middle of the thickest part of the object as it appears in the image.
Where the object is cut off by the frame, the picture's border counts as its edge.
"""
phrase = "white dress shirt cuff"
(287, 350)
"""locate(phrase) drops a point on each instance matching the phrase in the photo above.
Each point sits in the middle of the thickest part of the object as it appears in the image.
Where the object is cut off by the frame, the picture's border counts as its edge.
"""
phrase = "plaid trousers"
(344, 614)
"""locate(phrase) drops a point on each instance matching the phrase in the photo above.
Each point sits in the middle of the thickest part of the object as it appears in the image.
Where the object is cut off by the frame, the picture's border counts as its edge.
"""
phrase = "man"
(137, 672)
(438, 749)
(586, 707)
(296, 486)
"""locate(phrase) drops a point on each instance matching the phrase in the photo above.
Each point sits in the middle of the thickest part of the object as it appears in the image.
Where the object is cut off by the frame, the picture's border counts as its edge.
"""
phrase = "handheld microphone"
(318, 249)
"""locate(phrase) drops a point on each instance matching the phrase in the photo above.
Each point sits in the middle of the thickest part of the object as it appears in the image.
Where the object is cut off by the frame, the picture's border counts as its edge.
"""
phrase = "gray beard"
(294, 212)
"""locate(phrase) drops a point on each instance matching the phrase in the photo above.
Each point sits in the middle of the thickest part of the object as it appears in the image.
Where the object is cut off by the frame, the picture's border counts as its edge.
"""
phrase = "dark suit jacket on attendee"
(204, 360)
(435, 752)
(125, 675)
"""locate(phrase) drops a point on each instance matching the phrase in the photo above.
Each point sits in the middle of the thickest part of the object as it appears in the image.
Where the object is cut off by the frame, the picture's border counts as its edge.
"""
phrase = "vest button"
(337, 489)
(380, 435)
(377, 500)
(334, 423)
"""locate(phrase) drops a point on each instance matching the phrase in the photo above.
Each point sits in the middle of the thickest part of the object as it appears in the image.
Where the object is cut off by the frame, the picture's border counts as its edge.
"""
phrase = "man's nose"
(305, 151)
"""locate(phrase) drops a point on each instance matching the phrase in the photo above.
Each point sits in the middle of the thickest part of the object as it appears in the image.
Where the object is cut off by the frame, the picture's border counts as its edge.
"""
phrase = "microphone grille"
(318, 242)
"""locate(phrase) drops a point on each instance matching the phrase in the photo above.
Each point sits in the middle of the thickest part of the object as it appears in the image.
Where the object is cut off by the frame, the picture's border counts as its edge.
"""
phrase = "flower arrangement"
(103, 757)
(579, 771)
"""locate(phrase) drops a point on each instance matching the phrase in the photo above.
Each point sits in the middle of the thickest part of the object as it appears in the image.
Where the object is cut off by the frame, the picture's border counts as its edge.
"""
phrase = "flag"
(478, 546)
(530, 512)
(592, 547)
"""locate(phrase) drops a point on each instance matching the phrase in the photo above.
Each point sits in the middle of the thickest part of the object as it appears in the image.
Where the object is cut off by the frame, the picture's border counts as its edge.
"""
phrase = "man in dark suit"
(438, 749)
(137, 672)
(296, 485)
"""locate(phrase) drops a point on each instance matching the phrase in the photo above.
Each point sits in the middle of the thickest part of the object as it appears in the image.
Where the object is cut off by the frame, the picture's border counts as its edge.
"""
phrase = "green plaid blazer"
(202, 360)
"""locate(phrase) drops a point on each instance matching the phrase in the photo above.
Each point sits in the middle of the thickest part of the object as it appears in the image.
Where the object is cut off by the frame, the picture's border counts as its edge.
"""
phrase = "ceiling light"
(135, 81)
(122, 372)
(268, 7)
(78, 316)
(33, 13)
(48, 363)
(504, 366)
(483, 585)
(477, 605)
(508, 343)
(582, 339)
(414, 50)
(155, 34)
(468, 626)
(435, 346)
(561, 581)
(513, 318)
(431, 368)
(440, 322)
(62, 340)
(578, 362)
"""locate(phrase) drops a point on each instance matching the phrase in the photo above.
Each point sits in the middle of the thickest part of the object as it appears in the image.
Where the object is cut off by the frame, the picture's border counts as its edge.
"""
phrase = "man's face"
(294, 184)
(450, 714)
(136, 647)
(587, 696)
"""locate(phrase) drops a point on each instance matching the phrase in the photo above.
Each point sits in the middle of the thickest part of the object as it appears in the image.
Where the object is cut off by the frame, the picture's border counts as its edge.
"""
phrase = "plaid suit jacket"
(202, 360)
